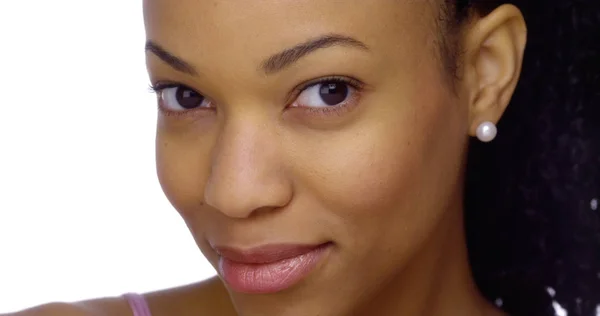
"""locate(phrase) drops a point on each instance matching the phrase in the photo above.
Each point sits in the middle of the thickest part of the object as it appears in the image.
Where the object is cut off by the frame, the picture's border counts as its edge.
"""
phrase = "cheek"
(181, 162)
(390, 177)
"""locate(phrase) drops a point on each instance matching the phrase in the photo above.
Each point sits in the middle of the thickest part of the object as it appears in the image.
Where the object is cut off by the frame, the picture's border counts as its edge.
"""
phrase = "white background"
(81, 211)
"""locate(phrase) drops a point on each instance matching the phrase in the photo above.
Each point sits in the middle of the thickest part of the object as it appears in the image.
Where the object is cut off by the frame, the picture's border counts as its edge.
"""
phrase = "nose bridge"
(246, 171)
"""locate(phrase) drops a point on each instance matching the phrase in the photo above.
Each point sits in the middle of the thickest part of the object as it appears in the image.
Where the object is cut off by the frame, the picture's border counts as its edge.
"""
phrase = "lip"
(269, 268)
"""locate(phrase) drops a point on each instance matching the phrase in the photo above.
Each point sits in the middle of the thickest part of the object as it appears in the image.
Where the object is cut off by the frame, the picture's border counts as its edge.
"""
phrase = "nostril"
(243, 199)
(245, 174)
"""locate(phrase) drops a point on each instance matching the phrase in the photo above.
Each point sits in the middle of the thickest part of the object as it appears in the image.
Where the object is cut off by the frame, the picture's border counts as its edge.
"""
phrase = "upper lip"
(266, 253)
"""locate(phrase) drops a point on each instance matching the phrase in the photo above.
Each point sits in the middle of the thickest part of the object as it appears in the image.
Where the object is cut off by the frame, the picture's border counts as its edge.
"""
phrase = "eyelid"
(159, 86)
(162, 85)
(353, 82)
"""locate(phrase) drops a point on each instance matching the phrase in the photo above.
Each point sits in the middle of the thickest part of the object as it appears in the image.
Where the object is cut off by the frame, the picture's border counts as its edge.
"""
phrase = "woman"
(318, 152)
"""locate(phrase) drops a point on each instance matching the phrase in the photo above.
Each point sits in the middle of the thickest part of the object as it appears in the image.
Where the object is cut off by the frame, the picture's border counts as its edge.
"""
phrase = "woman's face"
(254, 151)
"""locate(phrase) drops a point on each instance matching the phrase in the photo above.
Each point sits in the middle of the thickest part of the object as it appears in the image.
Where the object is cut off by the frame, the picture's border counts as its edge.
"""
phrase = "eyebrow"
(271, 65)
(289, 56)
(172, 60)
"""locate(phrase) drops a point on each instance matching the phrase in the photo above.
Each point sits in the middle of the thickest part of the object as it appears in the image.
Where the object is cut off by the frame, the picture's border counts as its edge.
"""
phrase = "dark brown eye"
(188, 98)
(333, 93)
(181, 98)
(325, 94)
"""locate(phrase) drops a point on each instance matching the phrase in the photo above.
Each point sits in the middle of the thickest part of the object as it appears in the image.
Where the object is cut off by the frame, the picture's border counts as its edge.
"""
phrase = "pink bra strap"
(138, 304)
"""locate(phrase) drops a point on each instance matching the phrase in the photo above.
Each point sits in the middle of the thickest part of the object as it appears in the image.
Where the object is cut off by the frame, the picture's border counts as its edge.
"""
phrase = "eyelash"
(157, 88)
(356, 85)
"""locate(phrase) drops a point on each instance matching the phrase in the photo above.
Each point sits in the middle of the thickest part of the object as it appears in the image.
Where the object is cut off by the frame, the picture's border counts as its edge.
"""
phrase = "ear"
(494, 46)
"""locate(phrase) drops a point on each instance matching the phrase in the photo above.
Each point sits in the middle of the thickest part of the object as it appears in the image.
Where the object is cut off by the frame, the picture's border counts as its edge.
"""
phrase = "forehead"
(262, 27)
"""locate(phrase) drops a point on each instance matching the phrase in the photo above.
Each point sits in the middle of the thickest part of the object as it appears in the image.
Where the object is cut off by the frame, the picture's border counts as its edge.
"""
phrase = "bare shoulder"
(98, 307)
(53, 309)
(205, 298)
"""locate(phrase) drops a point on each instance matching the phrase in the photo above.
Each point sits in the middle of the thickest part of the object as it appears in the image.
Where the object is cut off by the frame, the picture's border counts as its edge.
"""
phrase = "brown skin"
(382, 180)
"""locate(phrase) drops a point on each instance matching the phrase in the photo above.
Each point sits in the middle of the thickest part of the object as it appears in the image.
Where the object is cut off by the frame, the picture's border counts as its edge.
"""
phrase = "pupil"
(188, 98)
(334, 93)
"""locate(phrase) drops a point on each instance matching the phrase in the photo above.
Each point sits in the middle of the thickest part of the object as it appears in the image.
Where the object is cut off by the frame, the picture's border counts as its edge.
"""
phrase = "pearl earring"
(487, 131)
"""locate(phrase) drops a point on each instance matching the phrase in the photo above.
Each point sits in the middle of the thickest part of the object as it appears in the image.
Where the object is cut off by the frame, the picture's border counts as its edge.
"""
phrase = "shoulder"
(53, 309)
(205, 298)
(99, 307)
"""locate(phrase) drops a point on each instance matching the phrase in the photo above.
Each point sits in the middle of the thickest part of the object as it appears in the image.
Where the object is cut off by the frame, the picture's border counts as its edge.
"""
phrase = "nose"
(247, 171)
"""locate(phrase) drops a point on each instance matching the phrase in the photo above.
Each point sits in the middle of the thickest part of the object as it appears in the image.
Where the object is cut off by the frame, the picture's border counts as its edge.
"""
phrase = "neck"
(437, 281)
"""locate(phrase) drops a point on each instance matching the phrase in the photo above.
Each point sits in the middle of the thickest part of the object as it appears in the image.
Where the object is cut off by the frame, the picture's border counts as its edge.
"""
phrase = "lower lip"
(265, 278)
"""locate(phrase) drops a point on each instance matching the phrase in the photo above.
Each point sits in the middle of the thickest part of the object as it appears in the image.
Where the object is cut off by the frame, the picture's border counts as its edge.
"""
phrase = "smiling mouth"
(270, 268)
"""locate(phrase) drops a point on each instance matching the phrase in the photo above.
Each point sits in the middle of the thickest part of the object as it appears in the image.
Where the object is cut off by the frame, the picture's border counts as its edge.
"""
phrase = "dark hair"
(532, 196)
